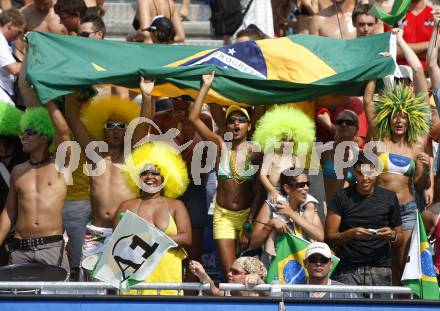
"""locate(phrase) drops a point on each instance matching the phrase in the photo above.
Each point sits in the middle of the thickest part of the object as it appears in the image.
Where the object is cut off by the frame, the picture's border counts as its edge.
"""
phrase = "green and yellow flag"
(419, 273)
(288, 267)
(272, 71)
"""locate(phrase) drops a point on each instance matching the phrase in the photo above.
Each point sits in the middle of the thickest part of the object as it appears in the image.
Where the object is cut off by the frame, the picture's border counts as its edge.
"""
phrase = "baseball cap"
(318, 248)
(160, 23)
(233, 108)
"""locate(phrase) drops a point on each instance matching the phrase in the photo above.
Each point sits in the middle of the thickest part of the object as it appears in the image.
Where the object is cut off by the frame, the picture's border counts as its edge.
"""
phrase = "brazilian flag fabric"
(419, 273)
(287, 266)
(271, 71)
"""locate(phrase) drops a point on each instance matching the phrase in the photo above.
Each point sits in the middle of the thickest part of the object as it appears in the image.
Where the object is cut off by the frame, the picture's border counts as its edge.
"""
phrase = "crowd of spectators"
(366, 219)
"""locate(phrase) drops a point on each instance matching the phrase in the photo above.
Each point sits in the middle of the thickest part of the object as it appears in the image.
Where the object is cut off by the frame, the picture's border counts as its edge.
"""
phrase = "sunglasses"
(240, 119)
(302, 184)
(236, 272)
(30, 132)
(346, 121)
(152, 171)
(86, 34)
(114, 125)
(320, 259)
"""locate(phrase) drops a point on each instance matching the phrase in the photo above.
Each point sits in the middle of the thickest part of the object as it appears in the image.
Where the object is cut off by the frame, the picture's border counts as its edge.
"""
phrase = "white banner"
(132, 252)
(413, 268)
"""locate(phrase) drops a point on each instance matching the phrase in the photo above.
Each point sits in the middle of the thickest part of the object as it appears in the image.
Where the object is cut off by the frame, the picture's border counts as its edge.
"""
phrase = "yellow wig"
(103, 108)
(167, 159)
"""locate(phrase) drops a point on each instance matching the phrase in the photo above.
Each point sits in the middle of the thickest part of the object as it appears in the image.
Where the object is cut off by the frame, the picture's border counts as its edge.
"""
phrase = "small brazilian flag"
(288, 265)
(419, 274)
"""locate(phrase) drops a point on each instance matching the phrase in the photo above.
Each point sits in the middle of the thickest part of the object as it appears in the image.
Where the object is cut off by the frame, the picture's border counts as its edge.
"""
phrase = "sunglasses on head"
(346, 121)
(30, 132)
(302, 184)
(236, 272)
(86, 34)
(320, 259)
(152, 171)
(114, 125)
(240, 119)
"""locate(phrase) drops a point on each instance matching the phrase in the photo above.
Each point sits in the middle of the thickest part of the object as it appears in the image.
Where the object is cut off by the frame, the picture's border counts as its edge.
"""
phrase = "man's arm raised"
(143, 128)
(62, 133)
(73, 108)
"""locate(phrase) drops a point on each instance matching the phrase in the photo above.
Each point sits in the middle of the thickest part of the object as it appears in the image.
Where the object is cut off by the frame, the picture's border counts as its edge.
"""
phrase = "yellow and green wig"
(38, 119)
(284, 121)
(9, 120)
(103, 108)
(166, 159)
(403, 99)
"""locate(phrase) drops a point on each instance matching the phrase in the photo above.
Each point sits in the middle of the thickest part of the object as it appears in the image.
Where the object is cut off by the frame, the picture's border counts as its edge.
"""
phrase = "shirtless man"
(335, 21)
(39, 16)
(108, 189)
(36, 195)
(70, 13)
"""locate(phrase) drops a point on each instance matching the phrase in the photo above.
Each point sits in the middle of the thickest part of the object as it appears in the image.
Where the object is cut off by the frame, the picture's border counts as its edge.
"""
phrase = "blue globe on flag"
(426, 263)
(294, 273)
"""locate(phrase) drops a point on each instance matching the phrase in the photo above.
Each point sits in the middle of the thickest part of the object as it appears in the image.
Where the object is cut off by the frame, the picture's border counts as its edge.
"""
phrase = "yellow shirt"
(79, 190)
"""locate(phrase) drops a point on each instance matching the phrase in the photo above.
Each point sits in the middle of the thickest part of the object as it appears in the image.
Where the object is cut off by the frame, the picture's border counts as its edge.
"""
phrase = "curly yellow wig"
(9, 120)
(167, 159)
(284, 120)
(103, 108)
(402, 99)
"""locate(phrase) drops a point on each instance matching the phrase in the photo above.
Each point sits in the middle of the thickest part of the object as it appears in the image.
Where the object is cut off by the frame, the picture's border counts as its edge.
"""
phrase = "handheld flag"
(398, 11)
(419, 274)
(271, 71)
(287, 266)
(132, 252)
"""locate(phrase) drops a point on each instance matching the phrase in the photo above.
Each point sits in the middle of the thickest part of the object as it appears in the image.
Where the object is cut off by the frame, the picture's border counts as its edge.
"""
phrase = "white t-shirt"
(6, 58)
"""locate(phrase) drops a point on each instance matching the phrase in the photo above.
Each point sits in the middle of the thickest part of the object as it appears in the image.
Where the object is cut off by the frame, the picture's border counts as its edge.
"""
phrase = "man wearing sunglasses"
(105, 119)
(36, 194)
(317, 262)
(363, 223)
(92, 26)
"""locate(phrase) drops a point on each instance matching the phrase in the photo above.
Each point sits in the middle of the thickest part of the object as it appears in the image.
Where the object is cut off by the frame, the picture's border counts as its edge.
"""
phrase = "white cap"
(318, 248)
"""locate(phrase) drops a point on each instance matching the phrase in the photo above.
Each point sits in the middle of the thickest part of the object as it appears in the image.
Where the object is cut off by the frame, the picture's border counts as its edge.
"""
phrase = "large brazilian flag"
(288, 265)
(272, 71)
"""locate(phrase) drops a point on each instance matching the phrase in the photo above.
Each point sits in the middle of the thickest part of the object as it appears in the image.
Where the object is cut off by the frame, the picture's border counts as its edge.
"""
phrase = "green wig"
(284, 121)
(167, 159)
(403, 99)
(9, 120)
(103, 108)
(39, 120)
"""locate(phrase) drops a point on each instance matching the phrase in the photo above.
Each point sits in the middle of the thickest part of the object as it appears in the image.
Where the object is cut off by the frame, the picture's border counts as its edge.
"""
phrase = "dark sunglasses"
(30, 132)
(320, 259)
(240, 119)
(237, 272)
(114, 125)
(152, 171)
(302, 184)
(86, 34)
(346, 121)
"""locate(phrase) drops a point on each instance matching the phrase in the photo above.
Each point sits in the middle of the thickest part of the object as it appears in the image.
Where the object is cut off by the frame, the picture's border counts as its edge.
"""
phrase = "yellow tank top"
(169, 269)
(79, 190)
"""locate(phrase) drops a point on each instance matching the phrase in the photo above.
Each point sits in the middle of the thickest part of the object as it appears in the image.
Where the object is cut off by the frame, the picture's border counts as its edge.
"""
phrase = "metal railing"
(100, 288)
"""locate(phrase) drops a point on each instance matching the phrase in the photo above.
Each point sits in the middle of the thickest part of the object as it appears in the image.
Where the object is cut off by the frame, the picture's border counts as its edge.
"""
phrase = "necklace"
(40, 162)
(233, 164)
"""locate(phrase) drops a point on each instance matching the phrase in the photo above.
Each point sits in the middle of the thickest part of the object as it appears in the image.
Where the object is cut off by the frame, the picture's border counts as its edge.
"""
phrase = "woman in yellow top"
(160, 173)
